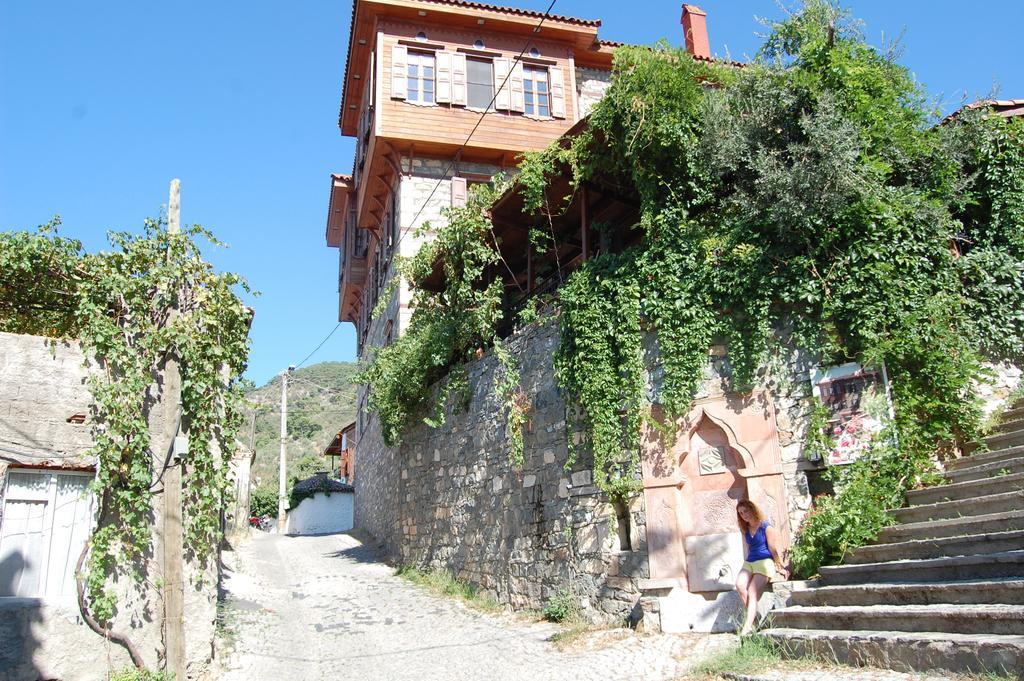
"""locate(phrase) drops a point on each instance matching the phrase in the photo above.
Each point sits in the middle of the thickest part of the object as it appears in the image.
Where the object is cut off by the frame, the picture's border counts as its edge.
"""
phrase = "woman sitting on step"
(764, 560)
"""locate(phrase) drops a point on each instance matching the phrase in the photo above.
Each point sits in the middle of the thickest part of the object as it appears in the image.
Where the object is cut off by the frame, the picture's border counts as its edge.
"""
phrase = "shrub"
(263, 501)
(562, 607)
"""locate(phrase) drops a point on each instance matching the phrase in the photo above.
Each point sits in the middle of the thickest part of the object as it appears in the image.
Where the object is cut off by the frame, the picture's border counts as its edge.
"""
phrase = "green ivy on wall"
(813, 190)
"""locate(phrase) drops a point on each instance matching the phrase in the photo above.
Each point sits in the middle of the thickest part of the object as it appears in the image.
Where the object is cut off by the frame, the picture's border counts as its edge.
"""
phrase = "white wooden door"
(46, 521)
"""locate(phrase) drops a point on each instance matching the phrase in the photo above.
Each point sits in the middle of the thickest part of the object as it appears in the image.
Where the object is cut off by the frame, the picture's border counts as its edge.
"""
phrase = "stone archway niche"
(726, 449)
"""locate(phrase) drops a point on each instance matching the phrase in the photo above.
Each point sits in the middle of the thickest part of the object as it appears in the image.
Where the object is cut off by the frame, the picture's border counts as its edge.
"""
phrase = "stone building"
(46, 431)
(427, 98)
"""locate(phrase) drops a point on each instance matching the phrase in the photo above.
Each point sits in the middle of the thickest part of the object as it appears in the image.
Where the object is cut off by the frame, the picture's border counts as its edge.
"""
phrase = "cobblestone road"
(312, 608)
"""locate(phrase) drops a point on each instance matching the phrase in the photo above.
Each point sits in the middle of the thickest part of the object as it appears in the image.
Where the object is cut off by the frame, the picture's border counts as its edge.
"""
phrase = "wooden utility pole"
(173, 573)
(281, 493)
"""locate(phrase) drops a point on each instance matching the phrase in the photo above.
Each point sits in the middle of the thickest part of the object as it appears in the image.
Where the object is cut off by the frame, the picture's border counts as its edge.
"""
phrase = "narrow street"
(311, 608)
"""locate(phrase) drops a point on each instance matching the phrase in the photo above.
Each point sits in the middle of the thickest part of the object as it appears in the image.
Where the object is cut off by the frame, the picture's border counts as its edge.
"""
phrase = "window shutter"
(516, 81)
(501, 68)
(459, 79)
(399, 71)
(444, 77)
(557, 87)
(460, 191)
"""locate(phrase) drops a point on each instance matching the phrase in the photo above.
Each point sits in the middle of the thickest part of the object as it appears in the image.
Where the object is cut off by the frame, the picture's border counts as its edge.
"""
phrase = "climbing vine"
(812, 190)
(150, 298)
(447, 327)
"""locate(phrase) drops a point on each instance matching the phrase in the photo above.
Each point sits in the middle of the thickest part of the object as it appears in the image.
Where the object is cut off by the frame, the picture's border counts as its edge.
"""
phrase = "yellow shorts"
(764, 567)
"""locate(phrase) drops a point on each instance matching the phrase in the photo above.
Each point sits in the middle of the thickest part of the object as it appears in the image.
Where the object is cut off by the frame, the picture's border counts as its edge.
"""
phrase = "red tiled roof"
(711, 60)
(1001, 107)
(518, 12)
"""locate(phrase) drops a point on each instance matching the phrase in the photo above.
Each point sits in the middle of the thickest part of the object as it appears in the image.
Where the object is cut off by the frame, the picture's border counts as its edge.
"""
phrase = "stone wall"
(448, 498)
(591, 85)
(1003, 382)
(42, 388)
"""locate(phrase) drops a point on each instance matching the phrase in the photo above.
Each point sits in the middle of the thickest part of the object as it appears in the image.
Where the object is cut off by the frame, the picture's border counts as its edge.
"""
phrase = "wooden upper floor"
(441, 56)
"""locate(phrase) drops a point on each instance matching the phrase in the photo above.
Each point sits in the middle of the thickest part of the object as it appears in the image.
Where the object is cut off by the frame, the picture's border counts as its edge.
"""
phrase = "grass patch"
(573, 633)
(444, 583)
(133, 674)
(993, 676)
(753, 654)
(226, 624)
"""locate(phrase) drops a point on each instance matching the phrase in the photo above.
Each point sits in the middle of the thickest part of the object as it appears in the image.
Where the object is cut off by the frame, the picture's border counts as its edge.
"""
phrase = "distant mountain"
(321, 401)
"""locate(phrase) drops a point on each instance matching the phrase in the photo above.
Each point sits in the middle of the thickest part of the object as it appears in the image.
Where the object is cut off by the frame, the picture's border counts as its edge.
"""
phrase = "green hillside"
(321, 400)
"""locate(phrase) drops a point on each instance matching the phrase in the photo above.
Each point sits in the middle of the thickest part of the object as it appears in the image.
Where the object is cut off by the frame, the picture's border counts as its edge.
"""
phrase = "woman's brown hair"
(754, 510)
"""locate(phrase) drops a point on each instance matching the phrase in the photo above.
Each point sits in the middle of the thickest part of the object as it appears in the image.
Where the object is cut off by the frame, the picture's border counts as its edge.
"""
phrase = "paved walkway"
(311, 608)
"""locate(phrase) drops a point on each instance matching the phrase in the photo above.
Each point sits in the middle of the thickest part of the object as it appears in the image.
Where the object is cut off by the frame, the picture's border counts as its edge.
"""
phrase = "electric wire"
(480, 120)
(306, 359)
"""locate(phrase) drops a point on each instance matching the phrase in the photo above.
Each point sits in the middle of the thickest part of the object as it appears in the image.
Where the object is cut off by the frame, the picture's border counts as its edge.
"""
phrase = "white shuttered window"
(420, 87)
(536, 92)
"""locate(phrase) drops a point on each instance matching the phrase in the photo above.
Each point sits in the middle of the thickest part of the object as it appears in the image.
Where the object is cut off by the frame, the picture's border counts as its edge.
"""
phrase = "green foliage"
(444, 583)
(447, 327)
(119, 305)
(600, 363)
(514, 401)
(562, 607)
(263, 501)
(133, 674)
(818, 442)
(753, 654)
(865, 489)
(39, 282)
(811, 191)
(302, 426)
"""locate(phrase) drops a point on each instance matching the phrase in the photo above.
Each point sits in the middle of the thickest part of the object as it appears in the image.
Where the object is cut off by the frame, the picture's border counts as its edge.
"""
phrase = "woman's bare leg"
(754, 590)
(742, 582)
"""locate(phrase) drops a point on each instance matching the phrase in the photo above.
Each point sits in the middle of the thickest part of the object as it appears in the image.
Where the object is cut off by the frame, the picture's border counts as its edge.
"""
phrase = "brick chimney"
(695, 30)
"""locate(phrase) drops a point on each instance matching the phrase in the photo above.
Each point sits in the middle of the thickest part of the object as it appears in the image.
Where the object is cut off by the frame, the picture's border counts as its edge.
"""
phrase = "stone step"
(1007, 591)
(1015, 414)
(1004, 565)
(981, 471)
(1010, 423)
(1005, 439)
(972, 489)
(1003, 620)
(984, 457)
(964, 508)
(966, 545)
(953, 527)
(905, 651)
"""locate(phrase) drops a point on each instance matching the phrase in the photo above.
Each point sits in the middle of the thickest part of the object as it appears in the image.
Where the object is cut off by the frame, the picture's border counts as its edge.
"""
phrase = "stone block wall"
(448, 498)
(591, 85)
(42, 387)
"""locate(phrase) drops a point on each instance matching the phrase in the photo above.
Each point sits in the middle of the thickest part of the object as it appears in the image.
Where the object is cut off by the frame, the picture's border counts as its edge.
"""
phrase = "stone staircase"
(941, 590)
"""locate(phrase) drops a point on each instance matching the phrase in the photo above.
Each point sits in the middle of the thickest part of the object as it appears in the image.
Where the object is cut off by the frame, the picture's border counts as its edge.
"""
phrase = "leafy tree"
(118, 304)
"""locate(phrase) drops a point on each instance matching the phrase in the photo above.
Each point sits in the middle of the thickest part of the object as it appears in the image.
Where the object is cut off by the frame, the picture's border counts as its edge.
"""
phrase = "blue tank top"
(757, 544)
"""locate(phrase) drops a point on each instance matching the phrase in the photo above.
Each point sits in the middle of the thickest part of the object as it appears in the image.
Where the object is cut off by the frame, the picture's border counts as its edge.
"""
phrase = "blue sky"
(102, 104)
